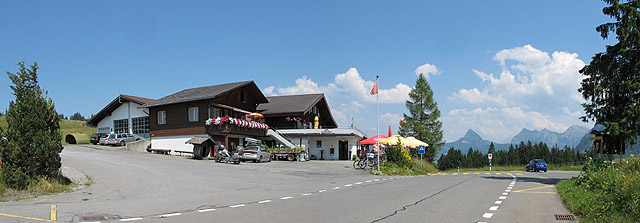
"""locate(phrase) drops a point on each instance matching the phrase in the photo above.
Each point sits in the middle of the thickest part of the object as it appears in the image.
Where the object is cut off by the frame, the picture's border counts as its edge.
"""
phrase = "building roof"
(289, 104)
(198, 140)
(204, 93)
(107, 110)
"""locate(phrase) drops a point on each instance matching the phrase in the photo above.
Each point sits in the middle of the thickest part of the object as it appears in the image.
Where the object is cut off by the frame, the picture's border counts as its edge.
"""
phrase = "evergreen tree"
(77, 116)
(612, 84)
(422, 122)
(33, 140)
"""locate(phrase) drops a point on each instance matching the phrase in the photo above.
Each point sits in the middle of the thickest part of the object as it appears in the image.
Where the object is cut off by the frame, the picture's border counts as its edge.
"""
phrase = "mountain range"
(574, 136)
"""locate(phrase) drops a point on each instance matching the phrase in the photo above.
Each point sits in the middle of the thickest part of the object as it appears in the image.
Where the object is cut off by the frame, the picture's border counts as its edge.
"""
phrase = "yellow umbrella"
(413, 142)
(393, 140)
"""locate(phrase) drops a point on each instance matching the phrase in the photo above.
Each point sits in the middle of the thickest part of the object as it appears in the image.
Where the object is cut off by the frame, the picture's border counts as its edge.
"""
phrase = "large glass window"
(121, 126)
(140, 125)
(162, 117)
(193, 114)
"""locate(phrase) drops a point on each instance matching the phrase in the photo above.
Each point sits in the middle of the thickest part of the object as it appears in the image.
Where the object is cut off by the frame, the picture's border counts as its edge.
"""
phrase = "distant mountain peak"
(471, 134)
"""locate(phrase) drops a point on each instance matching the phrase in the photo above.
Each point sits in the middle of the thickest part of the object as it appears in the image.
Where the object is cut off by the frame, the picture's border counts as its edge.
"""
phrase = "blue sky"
(495, 66)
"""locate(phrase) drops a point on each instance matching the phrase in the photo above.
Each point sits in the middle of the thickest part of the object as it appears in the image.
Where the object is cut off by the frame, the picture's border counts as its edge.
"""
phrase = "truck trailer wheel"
(290, 157)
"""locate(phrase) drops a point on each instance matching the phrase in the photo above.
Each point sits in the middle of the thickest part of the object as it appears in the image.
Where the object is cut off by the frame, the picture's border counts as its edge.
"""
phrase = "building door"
(343, 150)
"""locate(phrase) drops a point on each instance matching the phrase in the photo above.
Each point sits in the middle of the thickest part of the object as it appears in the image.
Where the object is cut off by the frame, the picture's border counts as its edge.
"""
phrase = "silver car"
(120, 139)
(256, 153)
(104, 140)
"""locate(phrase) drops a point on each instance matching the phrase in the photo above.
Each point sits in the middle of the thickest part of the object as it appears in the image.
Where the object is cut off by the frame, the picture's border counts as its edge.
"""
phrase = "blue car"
(537, 165)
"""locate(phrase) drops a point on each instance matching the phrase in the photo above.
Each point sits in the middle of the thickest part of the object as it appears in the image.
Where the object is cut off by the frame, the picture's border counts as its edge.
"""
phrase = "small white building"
(124, 114)
(326, 144)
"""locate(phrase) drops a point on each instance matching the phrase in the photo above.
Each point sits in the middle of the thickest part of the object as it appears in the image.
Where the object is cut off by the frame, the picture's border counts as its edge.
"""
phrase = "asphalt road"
(141, 187)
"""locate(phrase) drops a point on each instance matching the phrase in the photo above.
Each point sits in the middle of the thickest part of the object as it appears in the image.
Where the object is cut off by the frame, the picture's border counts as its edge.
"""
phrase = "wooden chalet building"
(176, 118)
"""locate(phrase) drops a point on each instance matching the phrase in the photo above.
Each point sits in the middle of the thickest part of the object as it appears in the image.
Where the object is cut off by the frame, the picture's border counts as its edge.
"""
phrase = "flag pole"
(378, 120)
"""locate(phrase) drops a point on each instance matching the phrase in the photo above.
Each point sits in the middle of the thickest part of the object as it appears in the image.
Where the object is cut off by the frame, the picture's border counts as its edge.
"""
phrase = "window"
(193, 114)
(242, 98)
(162, 117)
(319, 144)
(121, 126)
(140, 125)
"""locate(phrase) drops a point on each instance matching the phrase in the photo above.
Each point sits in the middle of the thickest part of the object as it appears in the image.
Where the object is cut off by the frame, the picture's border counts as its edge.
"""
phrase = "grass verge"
(41, 187)
(607, 194)
(390, 168)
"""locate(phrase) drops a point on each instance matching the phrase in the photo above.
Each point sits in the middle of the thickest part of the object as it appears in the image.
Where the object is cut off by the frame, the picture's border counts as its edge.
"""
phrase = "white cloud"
(303, 86)
(268, 91)
(427, 69)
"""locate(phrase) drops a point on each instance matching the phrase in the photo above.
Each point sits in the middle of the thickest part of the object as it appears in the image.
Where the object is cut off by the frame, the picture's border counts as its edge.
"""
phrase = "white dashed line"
(487, 215)
(335, 188)
(170, 215)
(237, 205)
(307, 194)
(507, 190)
(502, 197)
(494, 208)
(131, 219)
(285, 198)
(320, 191)
(206, 210)
(384, 178)
(368, 181)
(376, 180)
(510, 187)
(358, 182)
(264, 202)
(505, 194)
(348, 185)
(498, 202)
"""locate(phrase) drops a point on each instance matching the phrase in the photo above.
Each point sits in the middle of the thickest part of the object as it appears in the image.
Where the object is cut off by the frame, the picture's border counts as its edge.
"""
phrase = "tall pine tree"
(422, 121)
(612, 80)
(33, 140)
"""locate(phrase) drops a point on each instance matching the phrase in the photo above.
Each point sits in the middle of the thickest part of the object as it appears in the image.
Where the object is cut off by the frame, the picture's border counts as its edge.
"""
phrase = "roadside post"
(490, 156)
(421, 151)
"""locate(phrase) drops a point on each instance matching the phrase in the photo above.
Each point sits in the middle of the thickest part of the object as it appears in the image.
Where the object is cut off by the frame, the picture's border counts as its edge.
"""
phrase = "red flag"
(389, 131)
(375, 88)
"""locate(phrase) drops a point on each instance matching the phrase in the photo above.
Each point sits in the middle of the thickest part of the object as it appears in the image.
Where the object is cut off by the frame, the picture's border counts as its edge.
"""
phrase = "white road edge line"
(265, 201)
(494, 208)
(170, 215)
(237, 205)
(487, 215)
(131, 219)
(207, 210)
(285, 198)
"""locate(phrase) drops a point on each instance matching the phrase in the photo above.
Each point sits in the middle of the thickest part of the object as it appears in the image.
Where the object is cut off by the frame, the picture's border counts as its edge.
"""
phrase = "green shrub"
(607, 194)
(399, 156)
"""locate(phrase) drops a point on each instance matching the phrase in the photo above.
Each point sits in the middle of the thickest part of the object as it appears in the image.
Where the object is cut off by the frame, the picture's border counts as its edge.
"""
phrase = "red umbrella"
(389, 131)
(372, 140)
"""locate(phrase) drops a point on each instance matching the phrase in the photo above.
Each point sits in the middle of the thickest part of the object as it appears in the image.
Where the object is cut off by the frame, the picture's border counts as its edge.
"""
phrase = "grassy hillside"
(66, 126)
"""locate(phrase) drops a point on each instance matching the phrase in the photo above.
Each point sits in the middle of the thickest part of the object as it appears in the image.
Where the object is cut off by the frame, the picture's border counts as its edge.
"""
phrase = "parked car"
(95, 138)
(120, 139)
(256, 153)
(537, 165)
(104, 140)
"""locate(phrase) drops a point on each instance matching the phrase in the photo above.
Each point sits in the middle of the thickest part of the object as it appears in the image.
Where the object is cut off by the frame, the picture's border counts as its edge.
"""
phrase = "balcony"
(228, 128)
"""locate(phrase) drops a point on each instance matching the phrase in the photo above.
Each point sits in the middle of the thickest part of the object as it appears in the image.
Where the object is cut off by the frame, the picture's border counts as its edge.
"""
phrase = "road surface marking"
(465, 173)
(285, 198)
(498, 202)
(505, 194)
(453, 174)
(170, 215)
(384, 178)
(510, 174)
(498, 173)
(476, 173)
(237, 205)
(335, 188)
(487, 173)
(536, 188)
(53, 213)
(348, 185)
(376, 180)
(30, 218)
(368, 181)
(510, 188)
(494, 208)
(444, 174)
(487, 215)
(507, 190)
(132, 219)
(320, 191)
(208, 210)
(358, 182)
(502, 197)
(307, 194)
(265, 201)
(519, 174)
